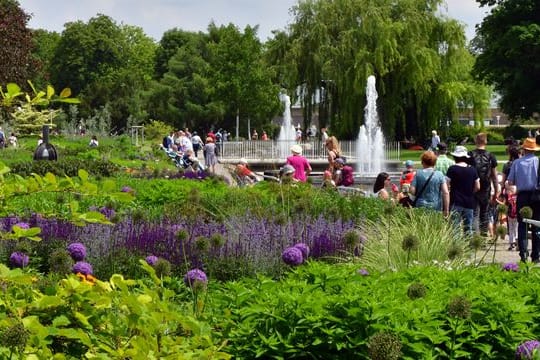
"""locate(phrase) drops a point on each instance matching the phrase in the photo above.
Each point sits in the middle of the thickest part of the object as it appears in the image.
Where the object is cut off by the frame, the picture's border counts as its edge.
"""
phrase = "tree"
(106, 64)
(241, 78)
(16, 62)
(509, 49)
(45, 43)
(211, 78)
(418, 58)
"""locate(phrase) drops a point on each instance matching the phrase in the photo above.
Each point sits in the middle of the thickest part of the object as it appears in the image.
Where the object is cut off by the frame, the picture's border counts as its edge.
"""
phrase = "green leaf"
(65, 93)
(83, 174)
(60, 321)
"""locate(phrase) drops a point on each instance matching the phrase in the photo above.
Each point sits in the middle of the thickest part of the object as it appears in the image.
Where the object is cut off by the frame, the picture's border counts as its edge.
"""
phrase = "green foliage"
(507, 47)
(323, 311)
(412, 235)
(516, 131)
(156, 130)
(67, 166)
(419, 60)
(89, 318)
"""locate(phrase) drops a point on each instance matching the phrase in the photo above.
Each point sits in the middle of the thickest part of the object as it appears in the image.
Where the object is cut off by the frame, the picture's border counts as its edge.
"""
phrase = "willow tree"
(418, 57)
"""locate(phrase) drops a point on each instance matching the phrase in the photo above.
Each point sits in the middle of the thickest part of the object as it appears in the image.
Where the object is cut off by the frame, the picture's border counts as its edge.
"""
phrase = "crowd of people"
(469, 191)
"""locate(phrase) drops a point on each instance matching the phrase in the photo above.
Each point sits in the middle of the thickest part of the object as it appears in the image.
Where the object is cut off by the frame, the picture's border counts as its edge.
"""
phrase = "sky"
(157, 16)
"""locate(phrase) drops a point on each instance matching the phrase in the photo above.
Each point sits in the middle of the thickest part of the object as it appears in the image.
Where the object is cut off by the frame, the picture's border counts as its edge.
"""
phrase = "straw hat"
(530, 144)
(296, 149)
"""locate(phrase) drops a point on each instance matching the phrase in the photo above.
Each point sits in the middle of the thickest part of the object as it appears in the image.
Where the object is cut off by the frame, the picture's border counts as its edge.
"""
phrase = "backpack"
(482, 164)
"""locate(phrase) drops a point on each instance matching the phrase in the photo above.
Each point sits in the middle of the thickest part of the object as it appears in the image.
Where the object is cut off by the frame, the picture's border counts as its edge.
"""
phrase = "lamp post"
(45, 151)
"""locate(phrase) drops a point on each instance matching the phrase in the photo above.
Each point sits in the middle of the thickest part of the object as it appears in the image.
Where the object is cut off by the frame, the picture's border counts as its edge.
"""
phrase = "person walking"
(486, 166)
(443, 162)
(464, 182)
(197, 143)
(435, 140)
(301, 165)
(524, 175)
(429, 186)
(210, 157)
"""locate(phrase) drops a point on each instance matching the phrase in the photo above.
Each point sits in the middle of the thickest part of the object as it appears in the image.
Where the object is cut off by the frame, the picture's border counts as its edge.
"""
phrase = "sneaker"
(512, 247)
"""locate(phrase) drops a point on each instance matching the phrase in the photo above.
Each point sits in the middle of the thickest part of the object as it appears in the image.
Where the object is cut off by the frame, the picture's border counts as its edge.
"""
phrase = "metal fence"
(274, 149)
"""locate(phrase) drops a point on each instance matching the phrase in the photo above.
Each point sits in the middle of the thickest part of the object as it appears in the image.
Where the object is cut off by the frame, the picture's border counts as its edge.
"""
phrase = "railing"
(272, 149)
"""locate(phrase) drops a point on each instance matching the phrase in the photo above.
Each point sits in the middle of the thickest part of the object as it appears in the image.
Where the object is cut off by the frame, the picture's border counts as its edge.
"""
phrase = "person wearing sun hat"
(464, 182)
(524, 175)
(301, 165)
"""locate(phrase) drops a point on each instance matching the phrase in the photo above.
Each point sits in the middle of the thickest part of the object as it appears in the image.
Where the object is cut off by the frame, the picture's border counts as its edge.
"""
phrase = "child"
(328, 182)
(511, 216)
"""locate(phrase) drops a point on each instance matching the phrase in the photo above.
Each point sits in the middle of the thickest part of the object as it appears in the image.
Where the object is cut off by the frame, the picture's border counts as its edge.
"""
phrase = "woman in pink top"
(299, 163)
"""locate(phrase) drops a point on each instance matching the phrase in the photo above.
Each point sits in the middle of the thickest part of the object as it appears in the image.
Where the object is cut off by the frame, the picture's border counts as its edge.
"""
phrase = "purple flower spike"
(362, 272)
(151, 260)
(82, 267)
(18, 259)
(77, 251)
(22, 225)
(527, 349)
(304, 248)
(195, 279)
(108, 212)
(511, 267)
(292, 256)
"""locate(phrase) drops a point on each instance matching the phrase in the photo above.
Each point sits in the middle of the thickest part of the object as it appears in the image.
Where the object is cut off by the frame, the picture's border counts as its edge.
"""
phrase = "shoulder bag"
(417, 196)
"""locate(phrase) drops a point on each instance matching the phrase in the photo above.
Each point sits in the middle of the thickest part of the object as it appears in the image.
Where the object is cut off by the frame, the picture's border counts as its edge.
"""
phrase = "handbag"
(417, 196)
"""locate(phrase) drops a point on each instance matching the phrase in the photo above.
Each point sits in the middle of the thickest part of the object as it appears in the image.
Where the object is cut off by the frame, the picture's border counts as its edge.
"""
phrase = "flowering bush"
(292, 256)
(77, 251)
(362, 272)
(511, 267)
(22, 225)
(195, 279)
(82, 267)
(18, 259)
(108, 212)
(151, 260)
(304, 248)
(527, 349)
(127, 189)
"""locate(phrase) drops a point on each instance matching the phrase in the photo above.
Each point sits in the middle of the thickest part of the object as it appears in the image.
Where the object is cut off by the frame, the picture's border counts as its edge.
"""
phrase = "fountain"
(287, 134)
(370, 143)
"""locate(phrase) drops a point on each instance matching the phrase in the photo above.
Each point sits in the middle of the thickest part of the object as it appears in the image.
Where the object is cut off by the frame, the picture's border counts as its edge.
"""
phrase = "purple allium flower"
(126, 189)
(108, 212)
(18, 259)
(77, 251)
(22, 225)
(82, 267)
(511, 267)
(151, 260)
(195, 279)
(526, 350)
(292, 256)
(304, 248)
(362, 272)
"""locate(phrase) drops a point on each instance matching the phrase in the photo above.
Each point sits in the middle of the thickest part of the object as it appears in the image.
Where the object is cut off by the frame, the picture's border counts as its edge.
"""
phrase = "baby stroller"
(182, 161)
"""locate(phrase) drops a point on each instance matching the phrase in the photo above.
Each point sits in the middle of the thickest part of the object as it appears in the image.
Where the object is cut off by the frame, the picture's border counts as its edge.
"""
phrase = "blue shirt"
(431, 197)
(523, 173)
